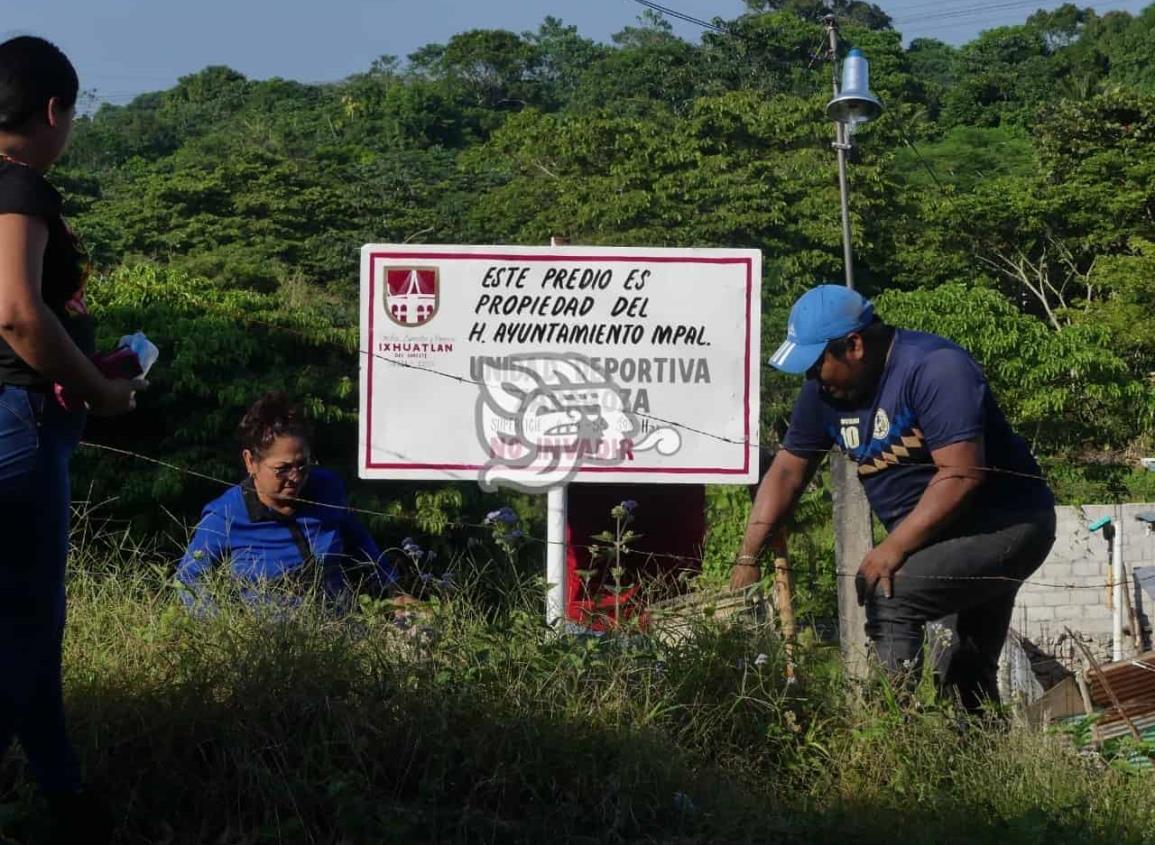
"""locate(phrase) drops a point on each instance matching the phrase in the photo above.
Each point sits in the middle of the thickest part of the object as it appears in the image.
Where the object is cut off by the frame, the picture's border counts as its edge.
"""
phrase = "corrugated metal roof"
(1132, 681)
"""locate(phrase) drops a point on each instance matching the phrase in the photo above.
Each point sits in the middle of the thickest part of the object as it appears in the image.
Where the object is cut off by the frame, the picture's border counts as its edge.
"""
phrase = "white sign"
(535, 366)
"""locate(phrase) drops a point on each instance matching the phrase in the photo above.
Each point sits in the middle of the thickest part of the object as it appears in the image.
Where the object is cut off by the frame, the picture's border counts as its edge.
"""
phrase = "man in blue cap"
(967, 515)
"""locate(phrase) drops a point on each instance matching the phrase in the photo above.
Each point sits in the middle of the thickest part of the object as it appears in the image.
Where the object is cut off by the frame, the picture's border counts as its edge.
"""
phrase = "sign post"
(555, 549)
(555, 574)
(537, 367)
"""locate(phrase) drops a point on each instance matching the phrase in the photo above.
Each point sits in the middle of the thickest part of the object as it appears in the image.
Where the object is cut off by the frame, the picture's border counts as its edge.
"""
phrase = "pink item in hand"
(121, 362)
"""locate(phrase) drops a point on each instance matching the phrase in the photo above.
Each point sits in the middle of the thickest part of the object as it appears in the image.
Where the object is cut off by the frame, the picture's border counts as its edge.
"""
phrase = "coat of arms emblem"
(412, 294)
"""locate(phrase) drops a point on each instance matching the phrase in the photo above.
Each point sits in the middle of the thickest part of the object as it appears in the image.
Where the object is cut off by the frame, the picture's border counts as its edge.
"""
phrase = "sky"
(122, 48)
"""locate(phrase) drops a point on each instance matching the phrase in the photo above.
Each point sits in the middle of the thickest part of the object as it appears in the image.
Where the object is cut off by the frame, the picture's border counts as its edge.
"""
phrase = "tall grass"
(477, 724)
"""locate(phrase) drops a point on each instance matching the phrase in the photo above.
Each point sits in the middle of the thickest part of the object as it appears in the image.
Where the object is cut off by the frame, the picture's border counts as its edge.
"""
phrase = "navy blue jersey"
(931, 394)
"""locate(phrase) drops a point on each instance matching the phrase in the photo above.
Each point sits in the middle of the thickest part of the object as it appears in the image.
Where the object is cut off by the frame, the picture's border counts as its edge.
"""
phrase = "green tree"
(564, 56)
(650, 67)
(934, 65)
(855, 12)
(1068, 392)
(966, 156)
(1004, 75)
(487, 66)
(225, 197)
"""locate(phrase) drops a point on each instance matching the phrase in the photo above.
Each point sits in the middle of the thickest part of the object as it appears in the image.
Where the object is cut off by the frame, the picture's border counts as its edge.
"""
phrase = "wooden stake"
(784, 597)
(1106, 685)
(1132, 616)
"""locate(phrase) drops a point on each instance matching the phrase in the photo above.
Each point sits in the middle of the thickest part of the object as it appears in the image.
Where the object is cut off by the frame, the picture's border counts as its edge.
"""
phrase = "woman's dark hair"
(273, 415)
(32, 72)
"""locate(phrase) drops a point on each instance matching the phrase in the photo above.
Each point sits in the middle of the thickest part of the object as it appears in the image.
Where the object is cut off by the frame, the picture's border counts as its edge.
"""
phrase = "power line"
(673, 13)
(926, 164)
(984, 10)
(962, 15)
(919, 10)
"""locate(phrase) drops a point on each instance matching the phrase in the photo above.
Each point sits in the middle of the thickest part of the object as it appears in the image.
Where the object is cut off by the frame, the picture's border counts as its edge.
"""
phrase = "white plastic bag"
(145, 349)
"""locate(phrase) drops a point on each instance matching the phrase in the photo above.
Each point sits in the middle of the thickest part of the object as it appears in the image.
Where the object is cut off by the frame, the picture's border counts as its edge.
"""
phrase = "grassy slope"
(245, 729)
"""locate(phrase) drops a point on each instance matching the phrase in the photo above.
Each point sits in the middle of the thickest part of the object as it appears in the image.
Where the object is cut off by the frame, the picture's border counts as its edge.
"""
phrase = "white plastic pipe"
(555, 555)
(1117, 591)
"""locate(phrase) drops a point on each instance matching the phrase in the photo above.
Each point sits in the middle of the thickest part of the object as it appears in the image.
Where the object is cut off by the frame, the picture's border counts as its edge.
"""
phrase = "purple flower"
(503, 516)
(629, 505)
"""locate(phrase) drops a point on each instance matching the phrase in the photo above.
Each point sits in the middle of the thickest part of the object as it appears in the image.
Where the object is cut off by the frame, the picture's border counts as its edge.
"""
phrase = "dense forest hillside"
(1005, 199)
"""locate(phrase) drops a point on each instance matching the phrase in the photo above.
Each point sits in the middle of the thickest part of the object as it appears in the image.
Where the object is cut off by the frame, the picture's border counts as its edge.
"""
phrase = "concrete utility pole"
(852, 526)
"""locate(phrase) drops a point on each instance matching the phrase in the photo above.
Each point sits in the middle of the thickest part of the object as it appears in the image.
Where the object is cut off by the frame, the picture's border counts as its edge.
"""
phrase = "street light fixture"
(856, 103)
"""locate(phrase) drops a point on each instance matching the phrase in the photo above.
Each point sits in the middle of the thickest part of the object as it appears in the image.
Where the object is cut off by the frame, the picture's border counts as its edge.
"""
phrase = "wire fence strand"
(689, 561)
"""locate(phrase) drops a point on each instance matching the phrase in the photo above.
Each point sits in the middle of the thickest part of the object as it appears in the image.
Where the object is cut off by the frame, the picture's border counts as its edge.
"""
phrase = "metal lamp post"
(853, 104)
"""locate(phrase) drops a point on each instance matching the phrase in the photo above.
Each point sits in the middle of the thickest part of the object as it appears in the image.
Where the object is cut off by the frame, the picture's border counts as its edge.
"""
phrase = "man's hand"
(877, 570)
(778, 491)
(744, 573)
(117, 397)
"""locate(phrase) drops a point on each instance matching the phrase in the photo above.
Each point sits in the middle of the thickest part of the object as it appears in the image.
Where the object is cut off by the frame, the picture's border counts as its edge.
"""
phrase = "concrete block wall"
(1070, 589)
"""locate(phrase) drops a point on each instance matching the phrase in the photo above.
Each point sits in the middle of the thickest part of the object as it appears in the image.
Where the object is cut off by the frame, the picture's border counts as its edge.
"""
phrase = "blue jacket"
(319, 545)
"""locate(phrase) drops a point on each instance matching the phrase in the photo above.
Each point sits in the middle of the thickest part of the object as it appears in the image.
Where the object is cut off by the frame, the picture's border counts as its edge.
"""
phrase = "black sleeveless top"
(24, 190)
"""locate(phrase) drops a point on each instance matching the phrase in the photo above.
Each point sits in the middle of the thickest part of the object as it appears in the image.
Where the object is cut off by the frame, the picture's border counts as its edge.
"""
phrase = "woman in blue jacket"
(287, 529)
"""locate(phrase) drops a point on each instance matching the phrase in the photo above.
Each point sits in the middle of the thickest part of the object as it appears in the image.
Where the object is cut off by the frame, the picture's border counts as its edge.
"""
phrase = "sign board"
(536, 366)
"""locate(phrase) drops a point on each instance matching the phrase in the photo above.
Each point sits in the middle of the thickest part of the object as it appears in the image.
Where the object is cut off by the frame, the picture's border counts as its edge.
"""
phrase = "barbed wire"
(460, 379)
(593, 548)
(312, 338)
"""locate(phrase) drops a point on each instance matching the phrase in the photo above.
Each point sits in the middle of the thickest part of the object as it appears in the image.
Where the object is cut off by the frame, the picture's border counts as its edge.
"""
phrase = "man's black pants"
(974, 573)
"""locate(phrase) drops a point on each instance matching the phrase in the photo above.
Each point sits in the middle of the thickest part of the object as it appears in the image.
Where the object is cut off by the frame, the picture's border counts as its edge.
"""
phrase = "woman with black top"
(46, 338)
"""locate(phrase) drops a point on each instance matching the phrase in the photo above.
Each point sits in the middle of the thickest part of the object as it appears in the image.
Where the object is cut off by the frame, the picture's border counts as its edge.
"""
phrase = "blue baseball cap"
(820, 315)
